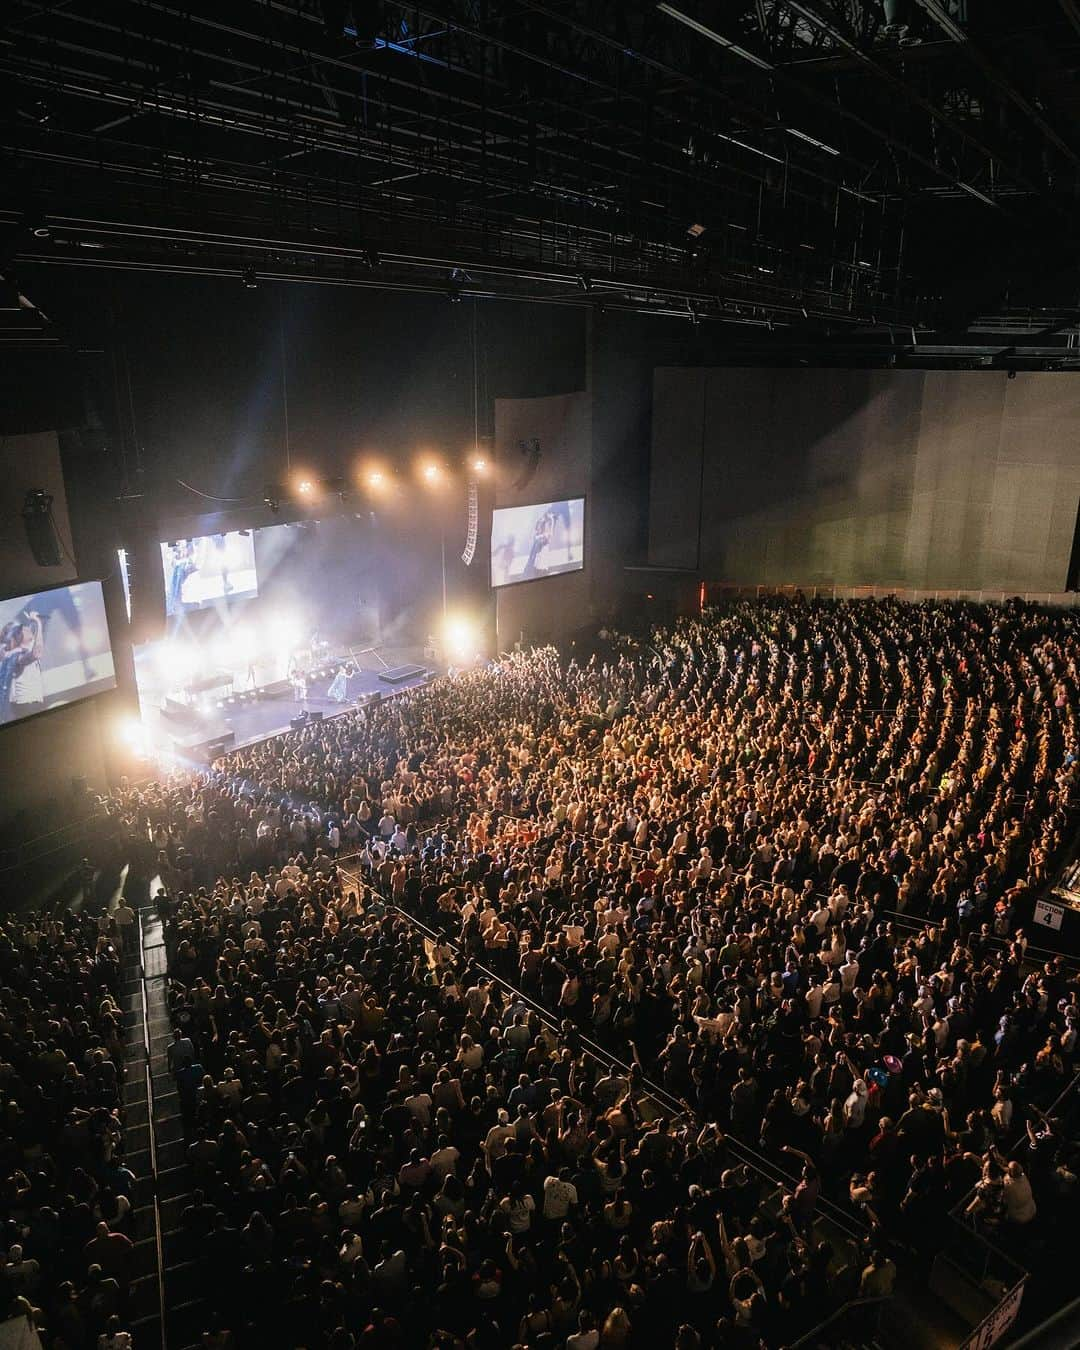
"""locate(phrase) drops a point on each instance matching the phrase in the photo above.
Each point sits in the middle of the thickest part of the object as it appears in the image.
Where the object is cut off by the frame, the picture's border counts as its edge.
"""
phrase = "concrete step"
(174, 1180)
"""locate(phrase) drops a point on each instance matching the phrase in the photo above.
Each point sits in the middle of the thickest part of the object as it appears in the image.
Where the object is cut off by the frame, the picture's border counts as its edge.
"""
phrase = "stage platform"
(263, 717)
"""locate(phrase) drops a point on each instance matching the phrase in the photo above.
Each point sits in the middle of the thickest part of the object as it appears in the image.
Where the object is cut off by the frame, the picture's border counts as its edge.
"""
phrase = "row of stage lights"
(308, 489)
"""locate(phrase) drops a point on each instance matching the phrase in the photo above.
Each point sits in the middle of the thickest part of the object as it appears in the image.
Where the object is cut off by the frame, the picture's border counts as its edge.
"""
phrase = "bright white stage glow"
(461, 639)
(285, 632)
(177, 661)
(131, 733)
(243, 647)
(431, 472)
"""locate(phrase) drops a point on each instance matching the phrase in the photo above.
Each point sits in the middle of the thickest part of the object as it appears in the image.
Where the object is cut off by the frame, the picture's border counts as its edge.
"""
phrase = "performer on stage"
(339, 686)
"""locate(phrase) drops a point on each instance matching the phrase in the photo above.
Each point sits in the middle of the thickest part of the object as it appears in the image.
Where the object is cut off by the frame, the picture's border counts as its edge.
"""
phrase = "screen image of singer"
(529, 542)
(54, 649)
(209, 568)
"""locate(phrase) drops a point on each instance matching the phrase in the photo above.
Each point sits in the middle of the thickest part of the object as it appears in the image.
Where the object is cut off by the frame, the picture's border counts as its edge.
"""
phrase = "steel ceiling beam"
(996, 77)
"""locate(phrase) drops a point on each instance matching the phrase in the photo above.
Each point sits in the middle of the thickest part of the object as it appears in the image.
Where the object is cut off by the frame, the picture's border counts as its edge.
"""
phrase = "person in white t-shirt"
(559, 1195)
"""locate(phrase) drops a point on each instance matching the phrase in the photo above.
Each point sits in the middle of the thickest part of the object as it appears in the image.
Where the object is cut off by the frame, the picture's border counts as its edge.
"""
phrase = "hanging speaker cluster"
(473, 525)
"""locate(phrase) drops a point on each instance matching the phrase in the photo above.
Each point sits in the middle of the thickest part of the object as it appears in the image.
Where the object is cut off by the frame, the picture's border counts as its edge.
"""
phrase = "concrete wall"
(850, 477)
(552, 606)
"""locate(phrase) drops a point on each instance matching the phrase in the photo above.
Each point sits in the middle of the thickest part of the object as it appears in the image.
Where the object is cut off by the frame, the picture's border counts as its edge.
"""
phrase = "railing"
(1039, 955)
(47, 844)
(851, 1228)
(859, 1317)
(159, 1245)
(980, 1283)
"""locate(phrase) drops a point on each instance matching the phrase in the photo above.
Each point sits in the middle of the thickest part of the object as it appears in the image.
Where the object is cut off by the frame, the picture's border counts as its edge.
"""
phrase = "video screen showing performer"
(54, 649)
(528, 542)
(211, 567)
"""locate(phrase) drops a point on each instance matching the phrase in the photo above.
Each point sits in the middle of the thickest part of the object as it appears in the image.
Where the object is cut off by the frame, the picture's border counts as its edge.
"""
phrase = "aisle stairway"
(181, 1270)
(144, 1306)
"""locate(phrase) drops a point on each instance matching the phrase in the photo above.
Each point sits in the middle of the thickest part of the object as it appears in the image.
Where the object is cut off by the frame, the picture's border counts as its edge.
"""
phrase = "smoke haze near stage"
(529, 542)
(54, 649)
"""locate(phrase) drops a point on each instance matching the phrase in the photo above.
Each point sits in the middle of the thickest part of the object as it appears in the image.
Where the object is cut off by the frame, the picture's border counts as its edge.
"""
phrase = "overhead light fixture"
(714, 36)
(696, 231)
(812, 140)
(250, 279)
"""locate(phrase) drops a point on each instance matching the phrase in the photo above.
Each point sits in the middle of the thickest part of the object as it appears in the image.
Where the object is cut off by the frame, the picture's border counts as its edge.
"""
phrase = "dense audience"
(66, 1257)
(701, 852)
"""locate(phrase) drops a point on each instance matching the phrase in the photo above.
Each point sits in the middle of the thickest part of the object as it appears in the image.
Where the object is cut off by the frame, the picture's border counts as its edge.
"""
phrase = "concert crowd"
(675, 995)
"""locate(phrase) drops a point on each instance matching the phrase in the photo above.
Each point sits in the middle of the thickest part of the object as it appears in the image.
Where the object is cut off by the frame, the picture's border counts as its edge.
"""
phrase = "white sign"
(989, 1331)
(1049, 915)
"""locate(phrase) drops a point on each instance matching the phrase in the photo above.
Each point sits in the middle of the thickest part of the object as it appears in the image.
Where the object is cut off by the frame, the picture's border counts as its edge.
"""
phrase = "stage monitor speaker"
(1072, 579)
(40, 531)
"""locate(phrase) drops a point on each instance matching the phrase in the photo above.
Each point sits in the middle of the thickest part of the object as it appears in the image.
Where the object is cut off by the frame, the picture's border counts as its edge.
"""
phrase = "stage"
(244, 716)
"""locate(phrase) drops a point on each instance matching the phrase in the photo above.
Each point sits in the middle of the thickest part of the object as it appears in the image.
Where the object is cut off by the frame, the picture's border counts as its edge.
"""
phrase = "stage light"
(376, 479)
(460, 639)
(431, 473)
(305, 487)
(131, 733)
(479, 464)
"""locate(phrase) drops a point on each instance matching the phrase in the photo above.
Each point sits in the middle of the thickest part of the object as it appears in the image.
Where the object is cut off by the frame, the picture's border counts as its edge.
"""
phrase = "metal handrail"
(159, 1245)
(845, 1308)
(1042, 954)
(670, 1104)
(72, 830)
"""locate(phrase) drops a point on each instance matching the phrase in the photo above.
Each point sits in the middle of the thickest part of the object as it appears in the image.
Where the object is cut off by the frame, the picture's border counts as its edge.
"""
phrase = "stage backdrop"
(935, 479)
(543, 453)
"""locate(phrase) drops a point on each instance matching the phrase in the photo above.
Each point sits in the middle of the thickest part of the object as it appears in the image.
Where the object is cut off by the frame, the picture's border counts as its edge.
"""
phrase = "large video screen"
(214, 567)
(54, 649)
(528, 542)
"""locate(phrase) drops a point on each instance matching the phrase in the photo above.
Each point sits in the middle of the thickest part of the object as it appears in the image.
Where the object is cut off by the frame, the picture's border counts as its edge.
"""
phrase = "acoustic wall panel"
(937, 480)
